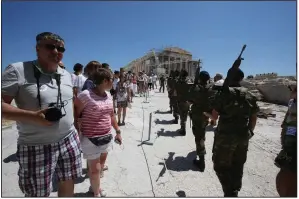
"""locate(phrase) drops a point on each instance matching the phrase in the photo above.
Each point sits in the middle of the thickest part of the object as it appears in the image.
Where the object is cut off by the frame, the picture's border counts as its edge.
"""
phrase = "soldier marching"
(236, 110)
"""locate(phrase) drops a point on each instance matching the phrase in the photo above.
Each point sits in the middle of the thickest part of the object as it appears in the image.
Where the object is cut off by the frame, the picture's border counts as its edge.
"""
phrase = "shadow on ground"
(157, 121)
(181, 194)
(162, 112)
(179, 163)
(77, 181)
(10, 158)
(83, 195)
(167, 133)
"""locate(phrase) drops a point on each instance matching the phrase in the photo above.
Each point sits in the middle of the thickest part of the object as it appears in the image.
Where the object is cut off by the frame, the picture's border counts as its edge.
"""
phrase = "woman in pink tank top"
(94, 107)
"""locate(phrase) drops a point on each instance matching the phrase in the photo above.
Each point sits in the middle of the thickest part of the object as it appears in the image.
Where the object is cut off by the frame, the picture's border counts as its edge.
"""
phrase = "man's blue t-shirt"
(88, 84)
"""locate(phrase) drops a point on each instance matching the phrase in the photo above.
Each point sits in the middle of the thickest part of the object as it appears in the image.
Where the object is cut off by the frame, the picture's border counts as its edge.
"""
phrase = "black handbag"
(99, 141)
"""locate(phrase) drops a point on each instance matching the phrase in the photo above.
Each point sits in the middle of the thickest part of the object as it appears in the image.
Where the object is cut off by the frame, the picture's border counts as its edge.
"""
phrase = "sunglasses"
(52, 47)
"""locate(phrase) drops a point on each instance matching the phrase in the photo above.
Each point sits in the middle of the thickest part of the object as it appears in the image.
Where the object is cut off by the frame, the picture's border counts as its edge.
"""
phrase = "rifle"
(232, 71)
(197, 73)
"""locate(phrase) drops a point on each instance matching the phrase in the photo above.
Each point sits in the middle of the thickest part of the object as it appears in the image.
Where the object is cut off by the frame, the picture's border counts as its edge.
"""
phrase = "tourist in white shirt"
(141, 86)
(150, 82)
(113, 90)
(145, 77)
(129, 80)
(122, 96)
(78, 78)
(155, 81)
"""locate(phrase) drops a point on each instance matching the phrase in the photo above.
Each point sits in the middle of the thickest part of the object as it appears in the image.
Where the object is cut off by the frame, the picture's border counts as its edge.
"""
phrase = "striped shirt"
(96, 115)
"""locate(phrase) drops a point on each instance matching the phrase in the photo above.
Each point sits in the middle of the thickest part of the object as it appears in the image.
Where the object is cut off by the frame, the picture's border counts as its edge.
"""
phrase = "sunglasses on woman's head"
(52, 47)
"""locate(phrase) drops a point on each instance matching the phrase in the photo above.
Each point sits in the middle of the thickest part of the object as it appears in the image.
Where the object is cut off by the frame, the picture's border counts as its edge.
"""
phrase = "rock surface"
(276, 90)
(165, 168)
(270, 90)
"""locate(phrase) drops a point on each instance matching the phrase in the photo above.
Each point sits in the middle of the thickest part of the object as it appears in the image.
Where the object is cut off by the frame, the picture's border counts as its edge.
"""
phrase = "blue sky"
(118, 32)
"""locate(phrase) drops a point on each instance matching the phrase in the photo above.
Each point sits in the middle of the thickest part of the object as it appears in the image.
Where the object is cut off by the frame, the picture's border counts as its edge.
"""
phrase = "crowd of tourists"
(78, 110)
(61, 115)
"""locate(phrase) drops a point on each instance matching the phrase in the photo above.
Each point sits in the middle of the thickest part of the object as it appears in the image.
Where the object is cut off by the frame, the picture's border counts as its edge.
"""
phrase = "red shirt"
(96, 115)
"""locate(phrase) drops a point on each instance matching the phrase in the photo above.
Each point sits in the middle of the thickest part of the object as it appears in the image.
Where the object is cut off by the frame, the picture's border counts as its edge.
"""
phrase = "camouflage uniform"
(172, 96)
(286, 160)
(169, 89)
(199, 95)
(182, 88)
(235, 106)
(287, 157)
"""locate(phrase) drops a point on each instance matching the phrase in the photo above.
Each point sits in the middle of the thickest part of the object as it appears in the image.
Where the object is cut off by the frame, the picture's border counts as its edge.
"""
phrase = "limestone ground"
(165, 169)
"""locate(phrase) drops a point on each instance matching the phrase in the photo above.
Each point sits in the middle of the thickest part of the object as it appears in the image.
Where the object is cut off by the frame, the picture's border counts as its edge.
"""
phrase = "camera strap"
(37, 74)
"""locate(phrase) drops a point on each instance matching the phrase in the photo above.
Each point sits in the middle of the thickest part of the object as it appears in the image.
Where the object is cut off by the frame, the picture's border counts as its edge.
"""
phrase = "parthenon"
(163, 61)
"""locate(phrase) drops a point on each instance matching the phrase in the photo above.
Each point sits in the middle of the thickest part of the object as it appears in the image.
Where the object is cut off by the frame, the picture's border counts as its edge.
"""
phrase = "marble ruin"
(163, 61)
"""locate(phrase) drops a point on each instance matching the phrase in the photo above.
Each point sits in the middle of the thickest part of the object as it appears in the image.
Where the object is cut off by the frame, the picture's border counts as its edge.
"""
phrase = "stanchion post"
(147, 142)
(146, 96)
(150, 126)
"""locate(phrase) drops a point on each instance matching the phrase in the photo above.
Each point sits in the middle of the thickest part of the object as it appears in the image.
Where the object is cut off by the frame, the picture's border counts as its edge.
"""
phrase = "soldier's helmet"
(172, 74)
(204, 76)
(176, 73)
(237, 76)
(184, 74)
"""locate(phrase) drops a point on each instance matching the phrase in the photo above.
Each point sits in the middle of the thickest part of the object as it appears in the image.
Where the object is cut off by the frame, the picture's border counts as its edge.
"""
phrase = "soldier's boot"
(182, 131)
(170, 111)
(176, 120)
(231, 194)
(201, 164)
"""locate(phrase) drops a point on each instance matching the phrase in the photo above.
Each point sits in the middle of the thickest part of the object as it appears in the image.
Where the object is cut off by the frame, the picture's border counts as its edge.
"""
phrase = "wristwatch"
(118, 132)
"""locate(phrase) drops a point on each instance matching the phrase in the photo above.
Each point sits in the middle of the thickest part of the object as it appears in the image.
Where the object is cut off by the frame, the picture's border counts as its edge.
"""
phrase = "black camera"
(53, 113)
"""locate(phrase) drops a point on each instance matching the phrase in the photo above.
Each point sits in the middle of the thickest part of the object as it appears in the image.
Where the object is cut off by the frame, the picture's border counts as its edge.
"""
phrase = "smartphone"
(117, 141)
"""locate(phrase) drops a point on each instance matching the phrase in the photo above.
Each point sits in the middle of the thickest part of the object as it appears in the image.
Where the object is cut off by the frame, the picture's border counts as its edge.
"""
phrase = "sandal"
(105, 168)
(101, 194)
(101, 174)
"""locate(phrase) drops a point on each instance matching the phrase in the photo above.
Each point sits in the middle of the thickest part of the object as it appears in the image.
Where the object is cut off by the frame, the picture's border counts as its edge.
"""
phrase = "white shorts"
(91, 151)
(131, 86)
(135, 88)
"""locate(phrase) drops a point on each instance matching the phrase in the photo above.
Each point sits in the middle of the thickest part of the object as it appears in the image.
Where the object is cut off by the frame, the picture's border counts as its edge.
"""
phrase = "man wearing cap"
(48, 141)
(218, 83)
(218, 78)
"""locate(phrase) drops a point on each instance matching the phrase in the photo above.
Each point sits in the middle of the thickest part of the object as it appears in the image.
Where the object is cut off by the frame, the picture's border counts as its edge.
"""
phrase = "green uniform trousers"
(199, 123)
(229, 157)
(183, 111)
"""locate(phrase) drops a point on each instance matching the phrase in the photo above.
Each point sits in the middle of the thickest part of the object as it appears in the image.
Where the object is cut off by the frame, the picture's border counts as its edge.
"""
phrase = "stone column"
(181, 63)
(173, 65)
(168, 68)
